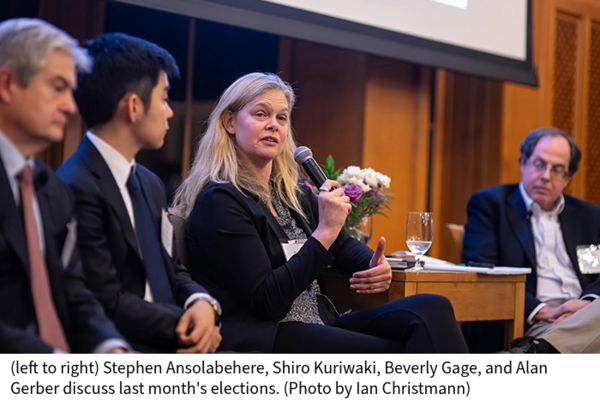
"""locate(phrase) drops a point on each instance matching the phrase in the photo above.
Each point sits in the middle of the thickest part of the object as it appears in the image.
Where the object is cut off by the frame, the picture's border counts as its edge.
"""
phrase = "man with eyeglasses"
(533, 224)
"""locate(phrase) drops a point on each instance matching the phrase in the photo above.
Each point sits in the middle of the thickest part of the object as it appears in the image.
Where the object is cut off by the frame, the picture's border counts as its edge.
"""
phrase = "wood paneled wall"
(330, 88)
(592, 169)
(567, 57)
(365, 111)
(466, 143)
(396, 140)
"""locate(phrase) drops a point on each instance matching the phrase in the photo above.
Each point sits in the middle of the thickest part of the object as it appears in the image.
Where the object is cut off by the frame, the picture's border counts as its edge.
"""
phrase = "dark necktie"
(149, 244)
(49, 326)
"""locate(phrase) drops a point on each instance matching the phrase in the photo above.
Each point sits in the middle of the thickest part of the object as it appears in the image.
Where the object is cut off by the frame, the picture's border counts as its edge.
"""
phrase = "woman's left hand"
(377, 278)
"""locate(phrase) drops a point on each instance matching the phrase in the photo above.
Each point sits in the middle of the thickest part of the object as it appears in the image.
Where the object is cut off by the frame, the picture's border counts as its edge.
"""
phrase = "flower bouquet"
(365, 188)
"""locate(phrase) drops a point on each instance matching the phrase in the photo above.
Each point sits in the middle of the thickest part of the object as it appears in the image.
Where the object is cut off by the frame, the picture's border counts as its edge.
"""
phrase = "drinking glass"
(419, 234)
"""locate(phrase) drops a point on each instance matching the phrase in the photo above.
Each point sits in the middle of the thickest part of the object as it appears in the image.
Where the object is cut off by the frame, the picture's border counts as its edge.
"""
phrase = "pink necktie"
(49, 326)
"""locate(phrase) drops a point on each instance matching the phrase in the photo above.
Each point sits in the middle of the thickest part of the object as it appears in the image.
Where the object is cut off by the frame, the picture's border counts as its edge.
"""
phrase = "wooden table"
(475, 297)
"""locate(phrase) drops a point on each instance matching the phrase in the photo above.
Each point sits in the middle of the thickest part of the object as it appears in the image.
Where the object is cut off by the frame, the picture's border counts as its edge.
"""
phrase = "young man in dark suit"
(533, 224)
(44, 304)
(125, 237)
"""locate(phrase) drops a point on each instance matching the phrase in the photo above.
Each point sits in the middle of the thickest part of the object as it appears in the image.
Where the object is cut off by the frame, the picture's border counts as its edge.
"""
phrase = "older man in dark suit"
(124, 233)
(44, 304)
(533, 224)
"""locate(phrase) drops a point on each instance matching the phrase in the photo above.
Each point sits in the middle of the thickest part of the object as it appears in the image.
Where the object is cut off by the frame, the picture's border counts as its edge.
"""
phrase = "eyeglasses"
(556, 171)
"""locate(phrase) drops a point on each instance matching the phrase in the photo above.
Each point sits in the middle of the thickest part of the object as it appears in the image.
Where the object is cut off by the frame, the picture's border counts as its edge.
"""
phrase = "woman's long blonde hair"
(217, 159)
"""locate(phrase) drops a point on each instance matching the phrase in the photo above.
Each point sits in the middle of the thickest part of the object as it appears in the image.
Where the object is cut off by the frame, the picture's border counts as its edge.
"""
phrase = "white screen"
(497, 27)
(489, 38)
(455, 3)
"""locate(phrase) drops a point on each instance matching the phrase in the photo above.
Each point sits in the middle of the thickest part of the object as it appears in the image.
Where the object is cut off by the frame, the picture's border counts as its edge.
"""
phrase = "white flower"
(352, 171)
(370, 176)
(360, 182)
(342, 179)
(383, 180)
(366, 178)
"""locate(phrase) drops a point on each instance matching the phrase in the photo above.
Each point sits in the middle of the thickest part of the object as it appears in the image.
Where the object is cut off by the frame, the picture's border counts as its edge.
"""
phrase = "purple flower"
(373, 192)
(354, 192)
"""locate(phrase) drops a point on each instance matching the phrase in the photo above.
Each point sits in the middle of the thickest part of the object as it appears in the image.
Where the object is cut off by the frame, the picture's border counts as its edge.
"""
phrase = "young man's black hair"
(122, 64)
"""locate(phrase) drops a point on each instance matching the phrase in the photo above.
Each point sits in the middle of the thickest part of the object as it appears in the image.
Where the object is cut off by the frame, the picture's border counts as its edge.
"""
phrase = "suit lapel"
(96, 164)
(276, 228)
(302, 222)
(11, 221)
(520, 224)
(46, 198)
(273, 224)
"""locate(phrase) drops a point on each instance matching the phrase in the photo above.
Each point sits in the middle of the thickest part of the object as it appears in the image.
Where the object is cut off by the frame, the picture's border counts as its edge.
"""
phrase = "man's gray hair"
(25, 45)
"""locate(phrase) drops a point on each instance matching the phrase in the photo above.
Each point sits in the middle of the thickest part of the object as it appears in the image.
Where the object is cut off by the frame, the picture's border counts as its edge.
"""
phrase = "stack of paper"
(479, 270)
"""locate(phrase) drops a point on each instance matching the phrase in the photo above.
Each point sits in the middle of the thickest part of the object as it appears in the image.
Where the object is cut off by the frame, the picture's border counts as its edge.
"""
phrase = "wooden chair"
(455, 234)
(179, 229)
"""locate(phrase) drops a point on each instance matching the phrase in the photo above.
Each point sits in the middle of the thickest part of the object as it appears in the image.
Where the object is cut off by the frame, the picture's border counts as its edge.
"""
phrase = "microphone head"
(302, 154)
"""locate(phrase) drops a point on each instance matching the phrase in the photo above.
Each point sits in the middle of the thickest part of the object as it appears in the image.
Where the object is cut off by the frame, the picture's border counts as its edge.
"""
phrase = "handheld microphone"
(304, 157)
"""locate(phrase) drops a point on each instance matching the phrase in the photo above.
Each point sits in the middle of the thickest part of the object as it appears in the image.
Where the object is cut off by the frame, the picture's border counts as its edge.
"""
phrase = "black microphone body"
(303, 156)
(314, 172)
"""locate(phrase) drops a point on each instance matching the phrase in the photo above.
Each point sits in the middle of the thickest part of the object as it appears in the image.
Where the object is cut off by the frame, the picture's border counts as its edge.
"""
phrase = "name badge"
(166, 233)
(588, 258)
(292, 247)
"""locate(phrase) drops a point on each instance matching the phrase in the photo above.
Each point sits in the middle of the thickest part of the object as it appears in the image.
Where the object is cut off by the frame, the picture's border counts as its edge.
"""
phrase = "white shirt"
(557, 281)
(120, 169)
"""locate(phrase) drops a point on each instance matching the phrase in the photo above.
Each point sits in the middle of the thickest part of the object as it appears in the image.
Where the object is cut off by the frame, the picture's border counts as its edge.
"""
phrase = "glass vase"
(362, 231)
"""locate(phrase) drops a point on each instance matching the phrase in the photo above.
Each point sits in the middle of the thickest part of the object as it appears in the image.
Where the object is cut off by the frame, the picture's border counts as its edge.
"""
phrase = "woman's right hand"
(334, 207)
